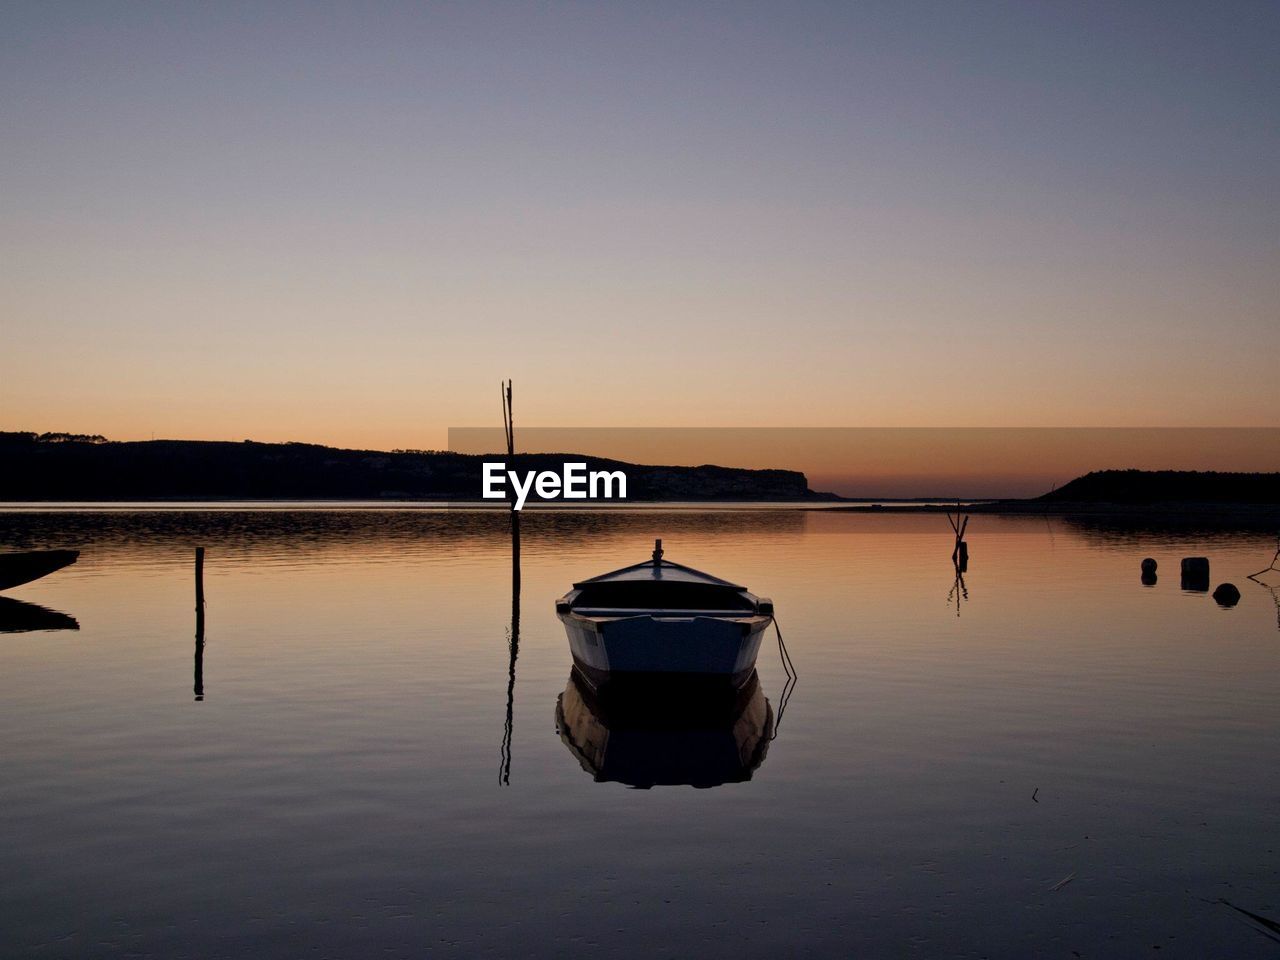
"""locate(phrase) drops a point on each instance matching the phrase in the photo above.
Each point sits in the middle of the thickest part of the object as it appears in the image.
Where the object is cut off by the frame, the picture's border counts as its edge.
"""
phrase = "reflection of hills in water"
(1127, 529)
(292, 533)
(282, 534)
(660, 733)
(16, 616)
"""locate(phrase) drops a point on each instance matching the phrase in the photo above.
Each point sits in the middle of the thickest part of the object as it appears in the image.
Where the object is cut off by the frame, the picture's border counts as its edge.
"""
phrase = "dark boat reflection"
(661, 733)
(17, 616)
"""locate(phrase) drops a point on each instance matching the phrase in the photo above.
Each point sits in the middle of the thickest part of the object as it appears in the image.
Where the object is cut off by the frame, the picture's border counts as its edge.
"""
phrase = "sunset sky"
(344, 223)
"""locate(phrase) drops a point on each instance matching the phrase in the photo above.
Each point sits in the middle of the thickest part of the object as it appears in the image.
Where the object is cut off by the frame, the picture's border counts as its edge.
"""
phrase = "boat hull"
(19, 568)
(722, 649)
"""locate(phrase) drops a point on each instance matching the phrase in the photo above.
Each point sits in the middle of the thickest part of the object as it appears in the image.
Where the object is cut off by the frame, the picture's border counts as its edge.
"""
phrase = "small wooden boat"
(662, 618)
(661, 739)
(19, 568)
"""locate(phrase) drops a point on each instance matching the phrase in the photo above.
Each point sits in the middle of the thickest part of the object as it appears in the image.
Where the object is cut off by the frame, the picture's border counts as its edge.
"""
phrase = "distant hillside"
(1168, 486)
(78, 467)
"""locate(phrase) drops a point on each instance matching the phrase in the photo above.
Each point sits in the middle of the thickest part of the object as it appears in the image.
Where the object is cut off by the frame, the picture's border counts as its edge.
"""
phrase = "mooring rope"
(789, 668)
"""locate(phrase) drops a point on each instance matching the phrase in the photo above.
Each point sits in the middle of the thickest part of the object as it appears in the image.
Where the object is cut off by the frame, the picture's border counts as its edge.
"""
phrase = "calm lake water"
(1061, 762)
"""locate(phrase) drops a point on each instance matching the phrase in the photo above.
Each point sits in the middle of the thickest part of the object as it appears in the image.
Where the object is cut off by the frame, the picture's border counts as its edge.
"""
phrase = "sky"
(909, 462)
(344, 223)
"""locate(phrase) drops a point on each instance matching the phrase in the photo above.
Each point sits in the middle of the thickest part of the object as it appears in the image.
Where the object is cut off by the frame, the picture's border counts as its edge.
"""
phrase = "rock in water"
(1227, 595)
(1148, 565)
(1195, 574)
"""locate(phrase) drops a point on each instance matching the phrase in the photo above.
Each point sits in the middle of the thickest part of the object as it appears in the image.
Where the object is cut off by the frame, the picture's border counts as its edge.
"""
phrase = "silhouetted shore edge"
(48, 469)
(1132, 493)
(82, 469)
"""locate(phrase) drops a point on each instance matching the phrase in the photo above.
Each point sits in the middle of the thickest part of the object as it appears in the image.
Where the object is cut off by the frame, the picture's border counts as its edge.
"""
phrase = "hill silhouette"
(1168, 486)
(88, 467)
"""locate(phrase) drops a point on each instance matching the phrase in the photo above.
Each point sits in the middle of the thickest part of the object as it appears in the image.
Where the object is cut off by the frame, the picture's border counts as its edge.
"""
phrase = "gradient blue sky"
(344, 223)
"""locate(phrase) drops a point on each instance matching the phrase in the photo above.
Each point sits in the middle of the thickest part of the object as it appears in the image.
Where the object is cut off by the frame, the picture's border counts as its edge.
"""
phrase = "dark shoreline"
(1066, 508)
(33, 469)
(1191, 512)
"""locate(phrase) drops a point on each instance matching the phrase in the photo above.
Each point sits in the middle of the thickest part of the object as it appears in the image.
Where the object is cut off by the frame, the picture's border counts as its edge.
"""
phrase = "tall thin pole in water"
(198, 685)
(508, 419)
(200, 581)
(513, 635)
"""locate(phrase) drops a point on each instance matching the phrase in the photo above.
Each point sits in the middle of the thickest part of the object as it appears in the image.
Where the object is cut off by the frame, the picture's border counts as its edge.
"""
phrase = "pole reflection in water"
(198, 683)
(513, 633)
(513, 651)
(198, 687)
(666, 733)
(959, 591)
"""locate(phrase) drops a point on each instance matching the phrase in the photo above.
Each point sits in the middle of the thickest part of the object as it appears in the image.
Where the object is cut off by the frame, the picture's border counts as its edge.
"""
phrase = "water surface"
(950, 756)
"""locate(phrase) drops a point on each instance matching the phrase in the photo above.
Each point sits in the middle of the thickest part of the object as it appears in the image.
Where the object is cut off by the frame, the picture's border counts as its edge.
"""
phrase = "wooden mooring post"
(200, 580)
(960, 553)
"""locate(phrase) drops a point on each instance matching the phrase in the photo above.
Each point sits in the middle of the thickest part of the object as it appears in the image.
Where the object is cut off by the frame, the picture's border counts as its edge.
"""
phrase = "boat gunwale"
(657, 565)
(611, 614)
